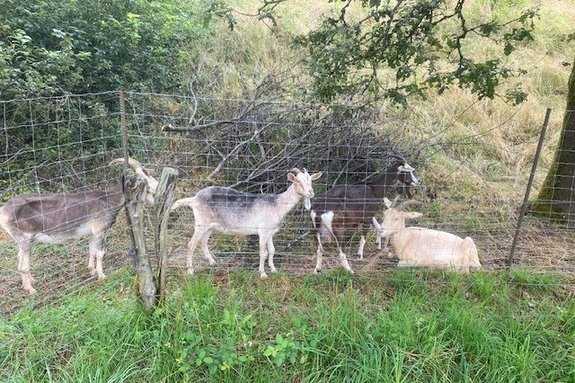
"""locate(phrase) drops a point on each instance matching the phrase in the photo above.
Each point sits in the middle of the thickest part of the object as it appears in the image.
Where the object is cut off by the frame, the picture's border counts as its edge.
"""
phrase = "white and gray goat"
(230, 211)
(338, 213)
(421, 247)
(57, 218)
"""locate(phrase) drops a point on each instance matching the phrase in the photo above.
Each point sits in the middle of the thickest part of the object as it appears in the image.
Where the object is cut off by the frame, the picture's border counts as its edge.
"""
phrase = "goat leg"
(263, 256)
(24, 251)
(361, 246)
(206, 250)
(319, 254)
(344, 262)
(198, 233)
(271, 252)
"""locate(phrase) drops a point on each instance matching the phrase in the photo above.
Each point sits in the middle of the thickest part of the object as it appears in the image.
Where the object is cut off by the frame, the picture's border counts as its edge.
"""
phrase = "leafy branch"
(401, 48)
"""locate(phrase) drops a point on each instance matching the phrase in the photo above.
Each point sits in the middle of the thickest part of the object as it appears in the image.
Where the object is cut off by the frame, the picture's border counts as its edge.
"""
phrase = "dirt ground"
(59, 269)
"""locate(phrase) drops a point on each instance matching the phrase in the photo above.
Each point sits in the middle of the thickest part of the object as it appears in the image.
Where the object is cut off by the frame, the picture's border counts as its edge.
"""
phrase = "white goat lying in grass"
(417, 247)
(229, 211)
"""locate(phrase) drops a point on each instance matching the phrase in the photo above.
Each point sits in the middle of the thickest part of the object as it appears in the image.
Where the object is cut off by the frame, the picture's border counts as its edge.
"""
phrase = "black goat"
(338, 212)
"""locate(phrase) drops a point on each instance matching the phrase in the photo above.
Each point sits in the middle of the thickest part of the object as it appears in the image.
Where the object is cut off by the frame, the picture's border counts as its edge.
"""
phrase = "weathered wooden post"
(134, 189)
(151, 293)
(163, 202)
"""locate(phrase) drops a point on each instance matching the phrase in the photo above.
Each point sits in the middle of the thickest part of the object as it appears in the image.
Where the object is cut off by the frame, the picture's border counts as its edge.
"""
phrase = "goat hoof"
(263, 275)
(317, 271)
(101, 276)
(31, 291)
(190, 271)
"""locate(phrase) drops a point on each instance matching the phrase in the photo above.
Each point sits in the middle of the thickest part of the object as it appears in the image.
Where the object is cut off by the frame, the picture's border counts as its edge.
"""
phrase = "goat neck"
(116, 197)
(380, 183)
(288, 200)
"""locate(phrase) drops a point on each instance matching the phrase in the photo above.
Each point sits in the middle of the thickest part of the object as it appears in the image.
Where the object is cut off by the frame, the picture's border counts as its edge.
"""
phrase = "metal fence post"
(528, 188)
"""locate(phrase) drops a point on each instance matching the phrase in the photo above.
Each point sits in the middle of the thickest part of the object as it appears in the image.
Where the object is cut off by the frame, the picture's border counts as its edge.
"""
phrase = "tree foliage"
(59, 48)
(53, 47)
(395, 49)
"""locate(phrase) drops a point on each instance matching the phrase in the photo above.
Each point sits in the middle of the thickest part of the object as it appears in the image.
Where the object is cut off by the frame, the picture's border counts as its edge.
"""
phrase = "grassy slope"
(401, 326)
(504, 137)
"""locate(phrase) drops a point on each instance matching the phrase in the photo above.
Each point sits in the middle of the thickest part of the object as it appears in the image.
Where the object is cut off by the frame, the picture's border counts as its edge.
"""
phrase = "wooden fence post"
(134, 188)
(163, 202)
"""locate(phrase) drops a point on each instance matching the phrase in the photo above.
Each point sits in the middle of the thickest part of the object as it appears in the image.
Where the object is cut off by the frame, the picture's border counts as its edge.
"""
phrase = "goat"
(230, 211)
(57, 218)
(416, 246)
(337, 213)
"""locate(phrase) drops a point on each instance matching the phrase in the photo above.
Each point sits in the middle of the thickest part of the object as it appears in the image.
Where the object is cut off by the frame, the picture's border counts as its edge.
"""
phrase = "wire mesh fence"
(64, 144)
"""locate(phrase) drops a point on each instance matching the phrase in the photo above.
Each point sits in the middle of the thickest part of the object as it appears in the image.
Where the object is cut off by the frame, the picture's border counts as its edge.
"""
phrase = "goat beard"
(307, 203)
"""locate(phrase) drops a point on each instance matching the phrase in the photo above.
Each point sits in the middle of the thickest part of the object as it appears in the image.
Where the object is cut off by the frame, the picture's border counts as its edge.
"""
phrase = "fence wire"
(64, 144)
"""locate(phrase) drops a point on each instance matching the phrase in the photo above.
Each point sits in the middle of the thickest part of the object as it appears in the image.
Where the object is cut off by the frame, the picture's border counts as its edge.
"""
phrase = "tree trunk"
(556, 198)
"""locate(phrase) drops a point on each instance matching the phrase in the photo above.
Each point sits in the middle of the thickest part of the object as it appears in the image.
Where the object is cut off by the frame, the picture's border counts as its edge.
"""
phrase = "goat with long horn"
(57, 218)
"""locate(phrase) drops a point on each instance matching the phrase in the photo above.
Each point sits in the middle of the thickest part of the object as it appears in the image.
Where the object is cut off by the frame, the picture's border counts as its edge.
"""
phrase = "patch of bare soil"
(541, 247)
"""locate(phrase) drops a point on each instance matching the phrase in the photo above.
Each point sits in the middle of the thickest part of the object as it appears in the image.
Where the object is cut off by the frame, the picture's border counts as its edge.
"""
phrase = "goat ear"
(375, 223)
(316, 176)
(405, 168)
(292, 177)
(387, 202)
(412, 215)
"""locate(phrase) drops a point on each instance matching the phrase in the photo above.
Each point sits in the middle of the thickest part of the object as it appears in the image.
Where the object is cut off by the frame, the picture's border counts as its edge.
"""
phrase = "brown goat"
(337, 213)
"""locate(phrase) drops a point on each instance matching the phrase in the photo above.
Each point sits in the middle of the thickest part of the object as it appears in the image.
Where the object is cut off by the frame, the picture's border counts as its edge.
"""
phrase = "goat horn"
(132, 162)
(396, 155)
(394, 202)
(295, 171)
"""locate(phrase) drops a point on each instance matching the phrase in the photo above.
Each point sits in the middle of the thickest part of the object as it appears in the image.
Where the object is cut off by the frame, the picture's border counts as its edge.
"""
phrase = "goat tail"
(470, 251)
(182, 202)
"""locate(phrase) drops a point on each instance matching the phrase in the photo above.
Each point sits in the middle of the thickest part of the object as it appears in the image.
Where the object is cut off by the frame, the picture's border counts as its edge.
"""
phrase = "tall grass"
(400, 327)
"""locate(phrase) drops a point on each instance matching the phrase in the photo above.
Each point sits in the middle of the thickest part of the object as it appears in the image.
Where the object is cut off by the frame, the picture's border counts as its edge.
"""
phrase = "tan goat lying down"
(420, 247)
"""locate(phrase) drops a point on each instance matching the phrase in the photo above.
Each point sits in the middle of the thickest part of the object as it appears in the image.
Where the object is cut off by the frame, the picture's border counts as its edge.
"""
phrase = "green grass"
(403, 326)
